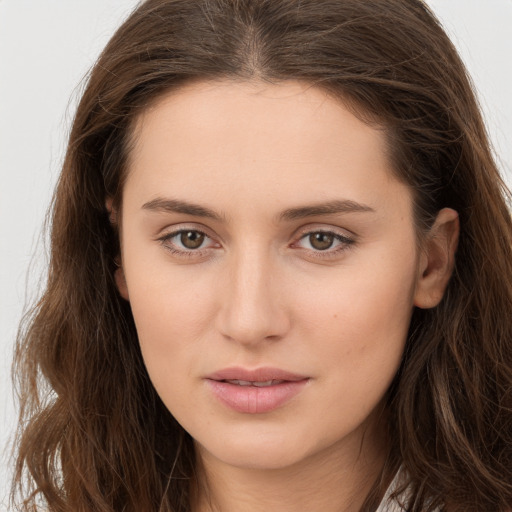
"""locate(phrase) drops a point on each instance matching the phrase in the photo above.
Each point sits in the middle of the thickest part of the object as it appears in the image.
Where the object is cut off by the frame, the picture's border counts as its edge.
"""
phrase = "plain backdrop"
(46, 48)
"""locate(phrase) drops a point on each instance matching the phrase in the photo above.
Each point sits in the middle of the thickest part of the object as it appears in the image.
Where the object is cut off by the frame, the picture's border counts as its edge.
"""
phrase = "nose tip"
(252, 308)
(249, 328)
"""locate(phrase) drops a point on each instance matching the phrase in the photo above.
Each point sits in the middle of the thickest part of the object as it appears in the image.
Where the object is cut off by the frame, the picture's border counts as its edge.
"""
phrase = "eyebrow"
(176, 206)
(301, 212)
(329, 208)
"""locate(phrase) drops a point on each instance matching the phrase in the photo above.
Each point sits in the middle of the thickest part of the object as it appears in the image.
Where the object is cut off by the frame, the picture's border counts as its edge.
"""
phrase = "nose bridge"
(252, 310)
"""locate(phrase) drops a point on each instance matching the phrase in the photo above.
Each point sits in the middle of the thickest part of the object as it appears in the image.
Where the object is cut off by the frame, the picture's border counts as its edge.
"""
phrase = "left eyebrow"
(329, 208)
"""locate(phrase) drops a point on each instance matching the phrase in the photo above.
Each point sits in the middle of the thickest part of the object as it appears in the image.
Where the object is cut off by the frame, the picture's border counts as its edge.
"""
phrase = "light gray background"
(47, 46)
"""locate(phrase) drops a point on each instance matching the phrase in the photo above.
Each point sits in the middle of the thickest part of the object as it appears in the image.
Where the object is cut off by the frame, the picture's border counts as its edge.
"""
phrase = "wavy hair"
(93, 434)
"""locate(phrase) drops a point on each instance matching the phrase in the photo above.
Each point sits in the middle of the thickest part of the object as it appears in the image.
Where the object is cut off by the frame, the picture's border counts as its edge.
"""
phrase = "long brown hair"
(94, 435)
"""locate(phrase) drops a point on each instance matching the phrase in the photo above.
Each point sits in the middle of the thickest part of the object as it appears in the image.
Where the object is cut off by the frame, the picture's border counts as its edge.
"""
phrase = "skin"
(258, 292)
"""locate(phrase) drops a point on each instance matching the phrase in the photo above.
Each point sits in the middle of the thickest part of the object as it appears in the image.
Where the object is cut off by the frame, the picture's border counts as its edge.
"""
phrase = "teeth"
(254, 383)
(263, 384)
(240, 382)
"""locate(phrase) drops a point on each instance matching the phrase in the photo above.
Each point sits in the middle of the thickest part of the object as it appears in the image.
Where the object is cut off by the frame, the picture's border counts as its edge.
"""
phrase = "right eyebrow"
(175, 206)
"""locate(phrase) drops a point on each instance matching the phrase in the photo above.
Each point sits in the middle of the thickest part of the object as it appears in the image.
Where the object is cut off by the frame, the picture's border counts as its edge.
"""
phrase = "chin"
(256, 453)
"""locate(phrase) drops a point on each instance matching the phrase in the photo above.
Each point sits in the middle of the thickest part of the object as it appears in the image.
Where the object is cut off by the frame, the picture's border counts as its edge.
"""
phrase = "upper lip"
(263, 374)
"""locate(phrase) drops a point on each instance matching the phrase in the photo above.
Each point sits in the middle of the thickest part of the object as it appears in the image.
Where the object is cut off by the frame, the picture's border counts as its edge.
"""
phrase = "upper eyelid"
(343, 239)
(170, 231)
(338, 231)
(172, 234)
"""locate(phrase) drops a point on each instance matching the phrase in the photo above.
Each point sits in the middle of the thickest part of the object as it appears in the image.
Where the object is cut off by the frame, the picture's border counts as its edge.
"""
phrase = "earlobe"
(121, 283)
(437, 259)
(112, 214)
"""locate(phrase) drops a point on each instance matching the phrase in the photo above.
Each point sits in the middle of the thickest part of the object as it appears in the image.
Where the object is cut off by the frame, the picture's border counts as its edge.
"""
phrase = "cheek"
(361, 322)
(172, 308)
(179, 309)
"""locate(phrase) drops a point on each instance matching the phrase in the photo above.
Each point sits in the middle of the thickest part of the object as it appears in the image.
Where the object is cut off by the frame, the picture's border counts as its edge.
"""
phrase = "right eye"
(190, 239)
(187, 242)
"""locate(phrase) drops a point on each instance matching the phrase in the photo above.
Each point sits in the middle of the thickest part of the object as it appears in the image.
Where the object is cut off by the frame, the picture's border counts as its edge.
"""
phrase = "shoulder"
(390, 503)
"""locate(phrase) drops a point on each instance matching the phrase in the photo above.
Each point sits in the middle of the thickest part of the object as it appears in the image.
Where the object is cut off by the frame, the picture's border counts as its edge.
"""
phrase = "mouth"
(255, 391)
(263, 375)
(256, 383)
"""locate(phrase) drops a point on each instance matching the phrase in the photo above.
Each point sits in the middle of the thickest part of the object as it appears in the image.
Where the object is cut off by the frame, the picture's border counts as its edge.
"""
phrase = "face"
(270, 260)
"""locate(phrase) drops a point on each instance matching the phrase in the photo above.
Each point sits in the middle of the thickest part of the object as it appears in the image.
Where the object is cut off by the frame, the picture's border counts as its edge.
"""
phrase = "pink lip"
(252, 399)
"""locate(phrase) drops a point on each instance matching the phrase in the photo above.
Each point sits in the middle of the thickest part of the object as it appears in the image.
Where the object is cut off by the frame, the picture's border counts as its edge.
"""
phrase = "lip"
(252, 399)
(262, 374)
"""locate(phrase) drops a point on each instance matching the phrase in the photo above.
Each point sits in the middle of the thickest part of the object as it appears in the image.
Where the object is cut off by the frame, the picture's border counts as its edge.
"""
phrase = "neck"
(337, 479)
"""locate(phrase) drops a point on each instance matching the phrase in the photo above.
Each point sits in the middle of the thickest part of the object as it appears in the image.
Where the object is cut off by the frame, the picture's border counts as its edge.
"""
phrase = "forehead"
(259, 108)
(254, 138)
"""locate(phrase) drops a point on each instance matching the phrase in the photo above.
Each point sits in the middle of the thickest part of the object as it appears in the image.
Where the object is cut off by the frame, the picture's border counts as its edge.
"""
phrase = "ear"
(112, 214)
(121, 283)
(119, 272)
(437, 259)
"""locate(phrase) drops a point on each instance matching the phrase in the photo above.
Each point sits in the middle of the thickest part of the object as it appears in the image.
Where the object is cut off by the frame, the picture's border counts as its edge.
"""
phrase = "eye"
(321, 241)
(185, 242)
(324, 241)
(191, 239)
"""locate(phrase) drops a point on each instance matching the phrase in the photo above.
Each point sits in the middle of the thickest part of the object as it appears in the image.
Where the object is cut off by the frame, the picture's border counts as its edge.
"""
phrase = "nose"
(253, 308)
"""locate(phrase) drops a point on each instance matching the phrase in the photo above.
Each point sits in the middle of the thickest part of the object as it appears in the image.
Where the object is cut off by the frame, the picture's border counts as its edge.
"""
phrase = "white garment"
(391, 505)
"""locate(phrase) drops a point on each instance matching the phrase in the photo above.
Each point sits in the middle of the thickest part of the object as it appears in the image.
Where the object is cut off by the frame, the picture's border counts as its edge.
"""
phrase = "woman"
(280, 274)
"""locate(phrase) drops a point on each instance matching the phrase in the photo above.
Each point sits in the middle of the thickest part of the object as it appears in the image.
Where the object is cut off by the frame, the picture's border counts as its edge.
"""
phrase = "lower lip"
(255, 400)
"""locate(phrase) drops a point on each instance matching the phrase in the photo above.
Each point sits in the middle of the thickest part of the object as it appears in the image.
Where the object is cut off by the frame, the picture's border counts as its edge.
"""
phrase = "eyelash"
(345, 242)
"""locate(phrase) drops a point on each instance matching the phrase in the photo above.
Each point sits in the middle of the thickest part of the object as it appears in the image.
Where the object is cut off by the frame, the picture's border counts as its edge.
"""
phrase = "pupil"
(321, 241)
(192, 239)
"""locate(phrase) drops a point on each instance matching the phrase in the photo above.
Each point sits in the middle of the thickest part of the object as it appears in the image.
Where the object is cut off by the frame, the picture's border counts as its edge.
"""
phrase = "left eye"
(323, 240)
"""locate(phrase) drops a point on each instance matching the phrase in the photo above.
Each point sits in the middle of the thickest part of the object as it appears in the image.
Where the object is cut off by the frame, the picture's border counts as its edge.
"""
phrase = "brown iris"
(192, 239)
(321, 241)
